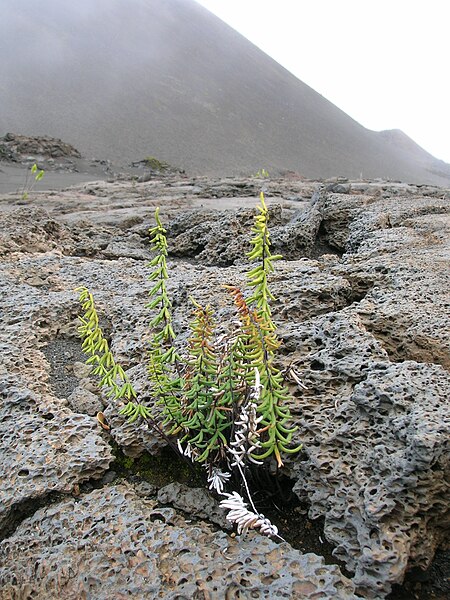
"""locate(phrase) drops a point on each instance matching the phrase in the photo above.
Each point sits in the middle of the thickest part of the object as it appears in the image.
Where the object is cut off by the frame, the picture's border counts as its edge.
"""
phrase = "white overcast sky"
(386, 63)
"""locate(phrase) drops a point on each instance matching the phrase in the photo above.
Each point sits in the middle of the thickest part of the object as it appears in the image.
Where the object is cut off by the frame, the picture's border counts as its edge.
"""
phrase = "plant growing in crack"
(222, 402)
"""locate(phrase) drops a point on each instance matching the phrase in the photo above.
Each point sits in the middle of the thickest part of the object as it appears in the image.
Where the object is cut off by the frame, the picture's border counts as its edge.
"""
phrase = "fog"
(123, 79)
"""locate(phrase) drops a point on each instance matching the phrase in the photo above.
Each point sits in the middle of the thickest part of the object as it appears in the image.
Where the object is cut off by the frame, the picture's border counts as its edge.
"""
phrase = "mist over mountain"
(124, 79)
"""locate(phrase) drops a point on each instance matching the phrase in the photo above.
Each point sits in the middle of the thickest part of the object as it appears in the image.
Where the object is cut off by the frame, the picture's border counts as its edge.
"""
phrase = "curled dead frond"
(244, 518)
(246, 434)
(294, 376)
(217, 479)
(189, 451)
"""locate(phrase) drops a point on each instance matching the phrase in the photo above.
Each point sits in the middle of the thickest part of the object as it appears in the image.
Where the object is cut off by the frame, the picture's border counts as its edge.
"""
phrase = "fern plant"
(112, 376)
(262, 343)
(36, 175)
(223, 399)
(164, 361)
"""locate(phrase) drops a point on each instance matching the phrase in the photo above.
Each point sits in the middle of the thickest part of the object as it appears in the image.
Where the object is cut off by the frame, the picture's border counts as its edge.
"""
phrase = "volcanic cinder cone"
(125, 79)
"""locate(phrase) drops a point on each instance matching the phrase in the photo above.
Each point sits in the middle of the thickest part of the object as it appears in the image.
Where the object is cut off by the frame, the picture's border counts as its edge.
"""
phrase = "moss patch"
(159, 470)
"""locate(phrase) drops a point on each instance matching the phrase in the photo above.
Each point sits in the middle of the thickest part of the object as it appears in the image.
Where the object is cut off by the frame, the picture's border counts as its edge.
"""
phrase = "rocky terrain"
(63, 165)
(363, 312)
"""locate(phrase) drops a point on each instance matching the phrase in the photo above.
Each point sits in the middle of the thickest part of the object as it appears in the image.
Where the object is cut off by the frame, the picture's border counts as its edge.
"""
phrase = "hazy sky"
(386, 63)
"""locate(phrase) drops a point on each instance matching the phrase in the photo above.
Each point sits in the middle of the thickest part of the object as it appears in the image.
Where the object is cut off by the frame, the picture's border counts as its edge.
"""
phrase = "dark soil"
(433, 584)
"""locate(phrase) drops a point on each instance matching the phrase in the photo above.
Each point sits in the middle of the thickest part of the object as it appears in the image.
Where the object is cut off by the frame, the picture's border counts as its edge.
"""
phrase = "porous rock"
(35, 232)
(130, 246)
(214, 241)
(388, 294)
(44, 449)
(376, 437)
(383, 505)
(222, 238)
(303, 290)
(297, 236)
(82, 400)
(411, 322)
(197, 502)
(113, 544)
(133, 438)
(348, 219)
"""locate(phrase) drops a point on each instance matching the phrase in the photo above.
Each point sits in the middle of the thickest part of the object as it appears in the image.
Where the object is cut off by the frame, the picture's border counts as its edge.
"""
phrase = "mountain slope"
(415, 153)
(123, 79)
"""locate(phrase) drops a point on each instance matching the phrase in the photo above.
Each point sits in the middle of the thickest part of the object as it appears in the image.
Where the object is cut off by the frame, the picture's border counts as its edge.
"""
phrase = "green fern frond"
(134, 410)
(260, 343)
(158, 294)
(260, 252)
(163, 358)
(200, 384)
(111, 375)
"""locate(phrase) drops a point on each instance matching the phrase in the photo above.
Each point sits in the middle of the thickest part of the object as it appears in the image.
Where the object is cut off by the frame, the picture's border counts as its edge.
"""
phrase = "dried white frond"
(217, 479)
(246, 436)
(244, 518)
(189, 451)
(295, 377)
(256, 389)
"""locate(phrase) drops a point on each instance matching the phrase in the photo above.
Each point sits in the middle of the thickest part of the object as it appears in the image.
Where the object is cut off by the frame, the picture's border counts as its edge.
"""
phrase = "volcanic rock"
(112, 542)
(17, 148)
(362, 308)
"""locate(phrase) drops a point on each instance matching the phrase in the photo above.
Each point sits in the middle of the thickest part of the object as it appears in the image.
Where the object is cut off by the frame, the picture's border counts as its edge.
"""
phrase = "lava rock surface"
(362, 303)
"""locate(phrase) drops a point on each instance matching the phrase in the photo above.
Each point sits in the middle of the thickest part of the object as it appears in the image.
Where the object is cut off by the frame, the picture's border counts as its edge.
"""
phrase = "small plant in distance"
(262, 174)
(222, 402)
(33, 176)
(156, 164)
